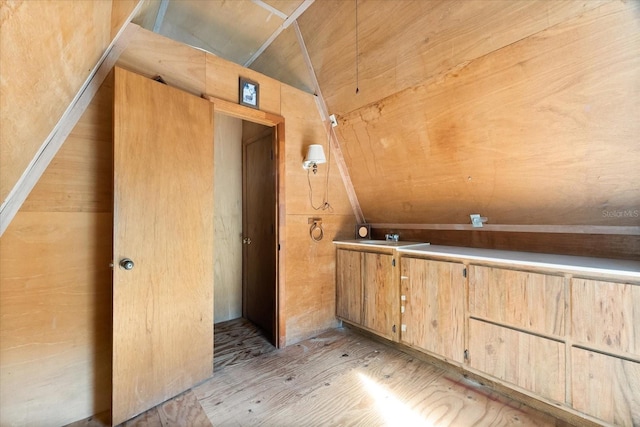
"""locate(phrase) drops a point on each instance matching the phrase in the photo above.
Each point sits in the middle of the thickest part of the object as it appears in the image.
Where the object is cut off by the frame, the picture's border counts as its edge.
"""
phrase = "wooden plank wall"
(55, 283)
(309, 291)
(525, 112)
(54, 278)
(42, 70)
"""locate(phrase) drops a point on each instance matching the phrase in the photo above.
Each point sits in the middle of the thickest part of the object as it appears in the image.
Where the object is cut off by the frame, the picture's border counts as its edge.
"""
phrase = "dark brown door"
(259, 234)
(163, 222)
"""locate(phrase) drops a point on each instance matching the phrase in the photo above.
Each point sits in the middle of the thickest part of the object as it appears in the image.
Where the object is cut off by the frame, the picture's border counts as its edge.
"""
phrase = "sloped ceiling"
(524, 111)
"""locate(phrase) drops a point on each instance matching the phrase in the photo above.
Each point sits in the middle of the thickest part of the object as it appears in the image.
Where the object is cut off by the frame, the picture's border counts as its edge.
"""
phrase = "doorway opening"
(246, 223)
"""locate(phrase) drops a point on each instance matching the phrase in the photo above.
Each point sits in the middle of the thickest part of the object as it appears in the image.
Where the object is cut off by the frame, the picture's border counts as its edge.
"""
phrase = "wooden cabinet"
(606, 316)
(521, 299)
(536, 327)
(606, 387)
(367, 291)
(534, 363)
(433, 296)
(507, 311)
(349, 285)
(605, 358)
(381, 300)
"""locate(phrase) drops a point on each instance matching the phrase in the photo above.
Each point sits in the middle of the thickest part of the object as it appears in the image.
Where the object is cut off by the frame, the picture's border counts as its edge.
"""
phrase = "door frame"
(275, 121)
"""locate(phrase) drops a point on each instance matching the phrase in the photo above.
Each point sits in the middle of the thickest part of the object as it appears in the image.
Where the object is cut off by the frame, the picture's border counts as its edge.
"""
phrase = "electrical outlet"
(333, 120)
(477, 220)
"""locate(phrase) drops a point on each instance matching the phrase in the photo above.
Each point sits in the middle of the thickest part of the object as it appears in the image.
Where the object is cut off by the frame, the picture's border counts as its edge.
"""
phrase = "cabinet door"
(381, 295)
(530, 301)
(433, 316)
(534, 363)
(606, 315)
(606, 387)
(349, 285)
(163, 221)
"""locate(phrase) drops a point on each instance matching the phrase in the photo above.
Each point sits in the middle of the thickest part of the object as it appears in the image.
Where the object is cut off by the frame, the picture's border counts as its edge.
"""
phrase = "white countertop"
(626, 268)
(379, 243)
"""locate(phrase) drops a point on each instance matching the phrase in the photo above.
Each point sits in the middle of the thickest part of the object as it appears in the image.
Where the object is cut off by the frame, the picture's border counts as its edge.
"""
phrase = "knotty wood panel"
(55, 300)
(434, 307)
(380, 305)
(542, 131)
(525, 300)
(179, 65)
(605, 315)
(533, 363)
(227, 218)
(163, 221)
(606, 387)
(46, 50)
(403, 43)
(349, 285)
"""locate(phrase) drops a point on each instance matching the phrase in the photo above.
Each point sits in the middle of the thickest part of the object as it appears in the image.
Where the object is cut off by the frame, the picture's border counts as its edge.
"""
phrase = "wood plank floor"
(339, 378)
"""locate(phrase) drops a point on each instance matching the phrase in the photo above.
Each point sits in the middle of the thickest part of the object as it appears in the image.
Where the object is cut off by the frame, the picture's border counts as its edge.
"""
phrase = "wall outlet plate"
(477, 220)
(333, 120)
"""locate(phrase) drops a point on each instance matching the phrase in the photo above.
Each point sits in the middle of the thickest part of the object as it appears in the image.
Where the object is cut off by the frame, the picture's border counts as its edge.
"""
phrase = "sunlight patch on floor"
(393, 410)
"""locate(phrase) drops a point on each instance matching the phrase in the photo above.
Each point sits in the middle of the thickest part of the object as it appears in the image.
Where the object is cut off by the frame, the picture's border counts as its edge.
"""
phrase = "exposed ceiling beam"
(67, 122)
(287, 22)
(270, 8)
(162, 11)
(333, 138)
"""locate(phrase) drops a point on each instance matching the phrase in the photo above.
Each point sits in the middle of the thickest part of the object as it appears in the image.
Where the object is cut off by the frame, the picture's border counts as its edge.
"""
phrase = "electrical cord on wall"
(325, 199)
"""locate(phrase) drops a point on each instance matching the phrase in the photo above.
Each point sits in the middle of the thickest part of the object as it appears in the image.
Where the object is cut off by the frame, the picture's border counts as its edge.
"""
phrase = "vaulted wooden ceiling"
(517, 109)
(524, 111)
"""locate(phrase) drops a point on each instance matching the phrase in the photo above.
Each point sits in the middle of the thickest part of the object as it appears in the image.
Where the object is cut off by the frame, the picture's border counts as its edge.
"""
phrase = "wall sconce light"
(315, 156)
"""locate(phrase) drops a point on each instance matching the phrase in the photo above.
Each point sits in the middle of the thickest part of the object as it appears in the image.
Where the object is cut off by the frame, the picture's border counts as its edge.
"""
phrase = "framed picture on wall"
(249, 93)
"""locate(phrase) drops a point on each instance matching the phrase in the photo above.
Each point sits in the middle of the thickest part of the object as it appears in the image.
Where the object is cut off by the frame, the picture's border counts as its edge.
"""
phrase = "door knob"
(126, 264)
(246, 240)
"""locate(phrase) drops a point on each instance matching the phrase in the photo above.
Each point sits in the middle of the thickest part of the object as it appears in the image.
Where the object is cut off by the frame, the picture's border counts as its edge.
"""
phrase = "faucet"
(392, 237)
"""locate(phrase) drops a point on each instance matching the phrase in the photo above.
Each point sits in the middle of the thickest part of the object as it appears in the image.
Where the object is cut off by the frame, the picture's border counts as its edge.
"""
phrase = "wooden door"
(433, 316)
(163, 222)
(349, 285)
(381, 305)
(259, 231)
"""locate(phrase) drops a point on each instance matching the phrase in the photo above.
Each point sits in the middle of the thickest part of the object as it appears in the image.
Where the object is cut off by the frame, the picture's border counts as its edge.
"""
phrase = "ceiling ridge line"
(287, 22)
(333, 138)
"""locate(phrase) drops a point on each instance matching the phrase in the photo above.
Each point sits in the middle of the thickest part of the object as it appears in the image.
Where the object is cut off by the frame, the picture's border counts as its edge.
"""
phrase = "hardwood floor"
(339, 378)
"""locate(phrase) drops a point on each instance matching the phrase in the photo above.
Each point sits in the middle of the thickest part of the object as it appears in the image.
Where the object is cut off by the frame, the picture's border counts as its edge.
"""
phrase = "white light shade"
(315, 155)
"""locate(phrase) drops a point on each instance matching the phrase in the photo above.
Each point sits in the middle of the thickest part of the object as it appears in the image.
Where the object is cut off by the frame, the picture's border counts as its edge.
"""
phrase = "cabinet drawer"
(530, 301)
(606, 387)
(531, 362)
(606, 315)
